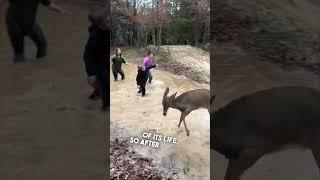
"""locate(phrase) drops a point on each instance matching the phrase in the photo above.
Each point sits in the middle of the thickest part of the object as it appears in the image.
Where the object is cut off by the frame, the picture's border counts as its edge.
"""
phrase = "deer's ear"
(173, 96)
(166, 92)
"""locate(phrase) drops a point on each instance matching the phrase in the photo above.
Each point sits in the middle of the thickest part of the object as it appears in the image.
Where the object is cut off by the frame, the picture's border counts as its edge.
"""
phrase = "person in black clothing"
(96, 55)
(117, 62)
(21, 22)
(142, 78)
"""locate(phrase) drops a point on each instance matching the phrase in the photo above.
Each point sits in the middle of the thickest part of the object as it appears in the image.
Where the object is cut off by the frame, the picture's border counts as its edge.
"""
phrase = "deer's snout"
(165, 110)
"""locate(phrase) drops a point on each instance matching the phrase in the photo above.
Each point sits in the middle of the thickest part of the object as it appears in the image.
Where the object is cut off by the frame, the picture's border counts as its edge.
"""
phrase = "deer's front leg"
(182, 118)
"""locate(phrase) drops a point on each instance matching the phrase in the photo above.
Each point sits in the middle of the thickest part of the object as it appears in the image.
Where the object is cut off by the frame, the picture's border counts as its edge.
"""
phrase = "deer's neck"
(176, 105)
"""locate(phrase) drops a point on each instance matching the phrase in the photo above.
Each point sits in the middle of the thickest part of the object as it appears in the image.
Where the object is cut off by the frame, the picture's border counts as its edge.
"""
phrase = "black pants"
(143, 87)
(17, 33)
(104, 89)
(115, 73)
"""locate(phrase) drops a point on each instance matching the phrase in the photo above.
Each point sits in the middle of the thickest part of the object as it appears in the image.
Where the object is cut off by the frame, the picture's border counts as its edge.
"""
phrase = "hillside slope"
(285, 32)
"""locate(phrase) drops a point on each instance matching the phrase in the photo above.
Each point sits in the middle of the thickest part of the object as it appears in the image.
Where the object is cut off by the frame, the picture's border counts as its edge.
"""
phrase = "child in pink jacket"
(147, 63)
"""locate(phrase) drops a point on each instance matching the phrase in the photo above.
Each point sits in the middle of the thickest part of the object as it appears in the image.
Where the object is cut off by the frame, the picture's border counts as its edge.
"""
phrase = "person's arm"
(138, 78)
(54, 7)
(90, 67)
(58, 9)
(153, 66)
(124, 61)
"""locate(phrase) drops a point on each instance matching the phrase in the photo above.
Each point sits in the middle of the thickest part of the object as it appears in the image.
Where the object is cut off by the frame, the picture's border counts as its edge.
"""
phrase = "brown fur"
(186, 102)
(265, 122)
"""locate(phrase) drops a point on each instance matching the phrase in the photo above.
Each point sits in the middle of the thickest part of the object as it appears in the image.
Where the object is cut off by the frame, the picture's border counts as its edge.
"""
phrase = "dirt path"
(137, 115)
(48, 128)
(195, 58)
(237, 74)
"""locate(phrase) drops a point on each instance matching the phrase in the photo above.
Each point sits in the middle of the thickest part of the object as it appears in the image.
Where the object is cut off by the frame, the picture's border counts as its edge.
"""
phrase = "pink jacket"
(147, 62)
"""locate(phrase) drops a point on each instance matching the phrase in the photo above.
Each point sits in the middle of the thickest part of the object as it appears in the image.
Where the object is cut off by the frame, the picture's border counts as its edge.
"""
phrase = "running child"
(117, 62)
(148, 62)
(142, 78)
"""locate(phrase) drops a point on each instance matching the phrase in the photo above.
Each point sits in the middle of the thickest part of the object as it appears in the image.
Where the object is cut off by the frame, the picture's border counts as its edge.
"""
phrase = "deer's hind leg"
(237, 166)
(182, 118)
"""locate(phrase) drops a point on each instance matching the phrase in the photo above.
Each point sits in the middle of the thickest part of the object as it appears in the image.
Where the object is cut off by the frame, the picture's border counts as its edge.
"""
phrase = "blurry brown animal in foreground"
(265, 122)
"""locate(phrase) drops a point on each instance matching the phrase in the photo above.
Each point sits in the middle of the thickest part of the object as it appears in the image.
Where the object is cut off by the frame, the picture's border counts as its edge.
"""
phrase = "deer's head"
(167, 101)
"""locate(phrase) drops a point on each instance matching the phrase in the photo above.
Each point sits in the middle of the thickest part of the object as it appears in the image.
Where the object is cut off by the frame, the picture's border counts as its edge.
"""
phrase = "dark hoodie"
(97, 51)
(96, 58)
(142, 76)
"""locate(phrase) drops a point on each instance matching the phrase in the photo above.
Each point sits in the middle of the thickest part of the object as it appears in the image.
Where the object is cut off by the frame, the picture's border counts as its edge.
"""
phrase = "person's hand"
(92, 80)
(57, 8)
(157, 65)
(65, 12)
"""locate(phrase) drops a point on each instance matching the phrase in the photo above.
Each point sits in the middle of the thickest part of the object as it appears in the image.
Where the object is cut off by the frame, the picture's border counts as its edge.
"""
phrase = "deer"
(265, 122)
(186, 103)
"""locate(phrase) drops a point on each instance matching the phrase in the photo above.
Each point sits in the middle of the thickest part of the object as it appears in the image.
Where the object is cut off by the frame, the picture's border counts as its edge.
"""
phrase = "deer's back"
(274, 117)
(197, 98)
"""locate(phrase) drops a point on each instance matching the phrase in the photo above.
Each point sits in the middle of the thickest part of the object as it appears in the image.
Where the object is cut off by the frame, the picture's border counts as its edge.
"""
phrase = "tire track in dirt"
(194, 58)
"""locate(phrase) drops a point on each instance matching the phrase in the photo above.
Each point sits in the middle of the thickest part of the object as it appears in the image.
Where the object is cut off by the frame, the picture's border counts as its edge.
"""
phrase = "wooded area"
(159, 22)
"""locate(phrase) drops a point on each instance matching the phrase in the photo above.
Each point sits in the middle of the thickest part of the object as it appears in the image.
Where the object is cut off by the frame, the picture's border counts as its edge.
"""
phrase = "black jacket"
(142, 76)
(97, 51)
(117, 63)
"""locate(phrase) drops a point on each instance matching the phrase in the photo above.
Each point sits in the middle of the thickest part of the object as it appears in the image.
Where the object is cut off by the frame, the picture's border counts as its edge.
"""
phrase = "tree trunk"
(154, 36)
(129, 39)
(146, 43)
(157, 19)
(159, 35)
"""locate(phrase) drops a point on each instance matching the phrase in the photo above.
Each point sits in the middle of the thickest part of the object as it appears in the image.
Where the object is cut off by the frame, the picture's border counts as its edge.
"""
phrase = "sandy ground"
(48, 127)
(137, 115)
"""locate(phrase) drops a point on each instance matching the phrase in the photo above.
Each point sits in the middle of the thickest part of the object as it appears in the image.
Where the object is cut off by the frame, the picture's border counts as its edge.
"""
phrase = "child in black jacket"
(97, 55)
(142, 78)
